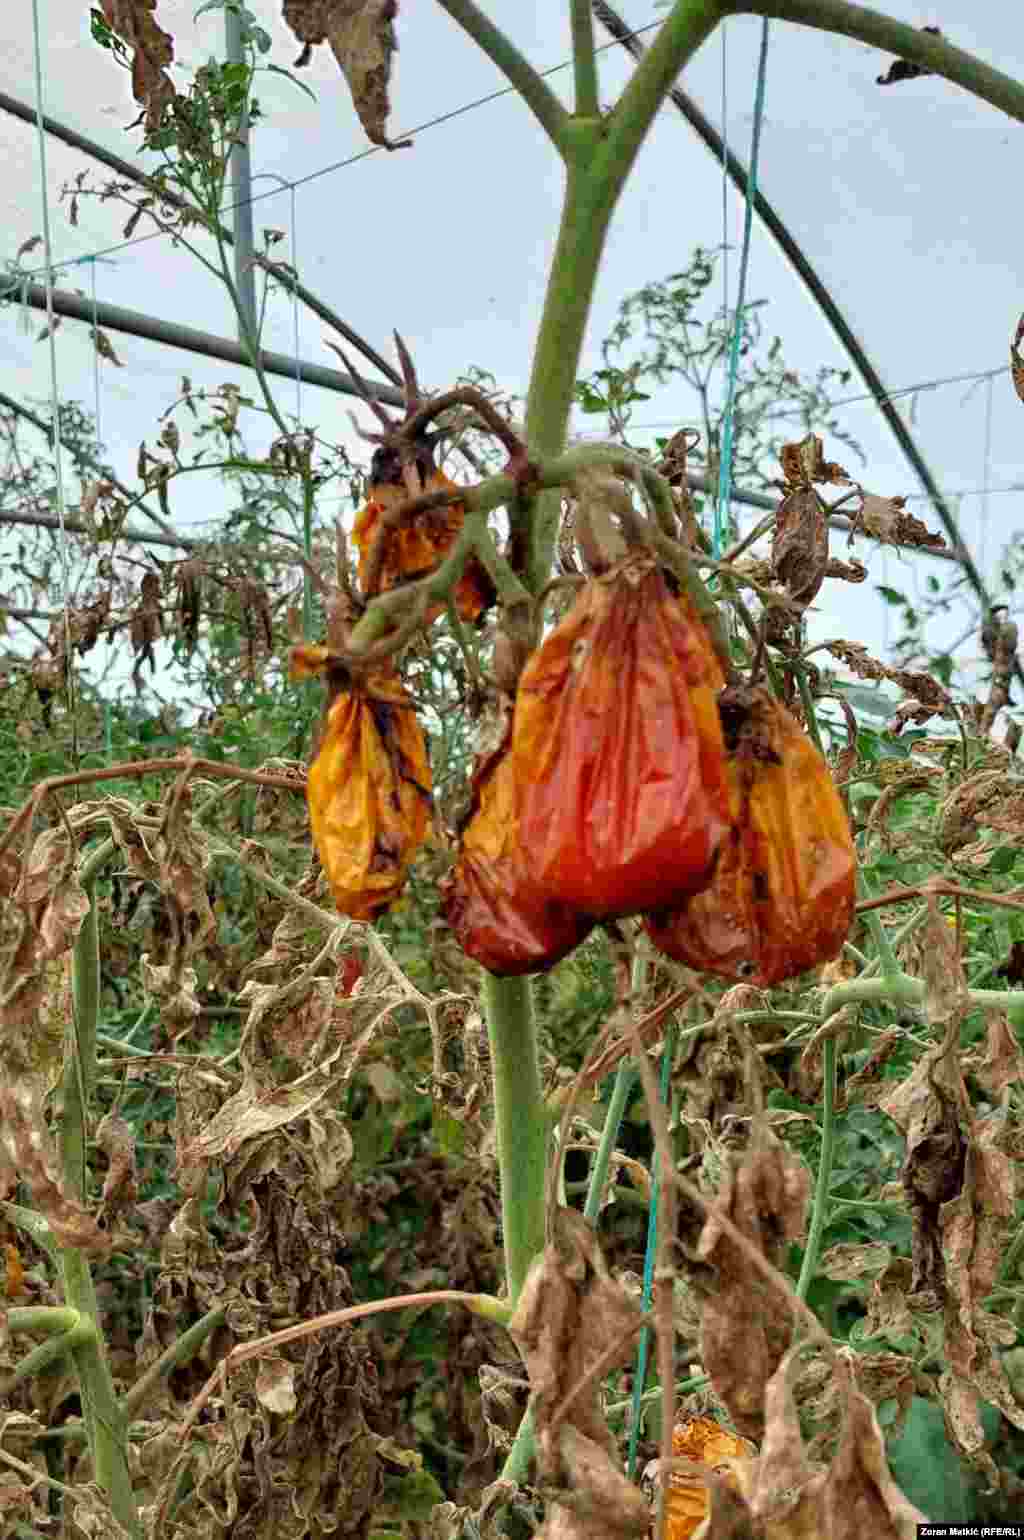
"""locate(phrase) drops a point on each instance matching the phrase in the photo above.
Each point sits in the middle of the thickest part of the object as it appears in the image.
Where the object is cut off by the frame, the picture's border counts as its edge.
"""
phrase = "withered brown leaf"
(744, 1331)
(804, 462)
(1003, 1063)
(887, 519)
(361, 34)
(135, 22)
(903, 69)
(570, 1312)
(800, 544)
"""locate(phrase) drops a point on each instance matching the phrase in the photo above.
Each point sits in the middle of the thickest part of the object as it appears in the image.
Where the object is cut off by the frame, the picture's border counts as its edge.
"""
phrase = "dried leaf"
(1003, 1063)
(932, 698)
(105, 348)
(859, 1496)
(570, 1313)
(887, 519)
(903, 69)
(744, 1330)
(275, 1386)
(362, 38)
(135, 22)
(120, 1188)
(804, 462)
(800, 544)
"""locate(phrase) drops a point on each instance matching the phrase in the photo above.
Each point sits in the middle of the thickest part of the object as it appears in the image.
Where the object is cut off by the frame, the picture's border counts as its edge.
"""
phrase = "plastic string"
(295, 315)
(58, 446)
(351, 160)
(95, 356)
(725, 462)
(644, 1345)
(986, 475)
(725, 176)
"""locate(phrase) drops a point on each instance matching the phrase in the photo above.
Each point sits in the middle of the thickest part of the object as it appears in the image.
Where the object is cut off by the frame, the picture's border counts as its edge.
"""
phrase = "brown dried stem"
(134, 769)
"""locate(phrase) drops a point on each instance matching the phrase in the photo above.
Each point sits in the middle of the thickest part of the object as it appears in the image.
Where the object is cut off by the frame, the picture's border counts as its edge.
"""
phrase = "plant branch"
(895, 37)
(517, 69)
(584, 60)
(624, 1081)
(825, 1159)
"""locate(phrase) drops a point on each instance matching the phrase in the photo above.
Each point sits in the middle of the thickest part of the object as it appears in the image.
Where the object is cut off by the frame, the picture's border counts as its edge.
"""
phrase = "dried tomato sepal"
(619, 750)
(369, 792)
(498, 914)
(782, 897)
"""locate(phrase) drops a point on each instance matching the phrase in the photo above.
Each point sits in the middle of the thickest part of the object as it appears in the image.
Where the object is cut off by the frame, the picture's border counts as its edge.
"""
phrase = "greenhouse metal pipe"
(134, 324)
(77, 527)
(131, 173)
(794, 253)
(9, 403)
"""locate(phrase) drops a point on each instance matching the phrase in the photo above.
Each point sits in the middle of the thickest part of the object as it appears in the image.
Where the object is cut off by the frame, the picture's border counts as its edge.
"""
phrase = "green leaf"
(275, 69)
(891, 595)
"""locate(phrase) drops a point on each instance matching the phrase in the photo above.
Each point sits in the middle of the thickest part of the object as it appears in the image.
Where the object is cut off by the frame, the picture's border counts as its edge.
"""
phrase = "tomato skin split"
(619, 750)
(783, 893)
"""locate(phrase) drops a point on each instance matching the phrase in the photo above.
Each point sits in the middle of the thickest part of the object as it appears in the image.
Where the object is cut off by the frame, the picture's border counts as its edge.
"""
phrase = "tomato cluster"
(631, 782)
(625, 779)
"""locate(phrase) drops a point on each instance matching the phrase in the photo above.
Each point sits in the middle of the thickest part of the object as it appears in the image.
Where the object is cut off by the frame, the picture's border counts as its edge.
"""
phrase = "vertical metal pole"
(241, 187)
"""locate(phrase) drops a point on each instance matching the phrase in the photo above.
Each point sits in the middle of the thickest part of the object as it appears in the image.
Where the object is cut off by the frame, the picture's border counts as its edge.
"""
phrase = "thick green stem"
(825, 1159)
(599, 159)
(521, 1123)
(584, 59)
(895, 37)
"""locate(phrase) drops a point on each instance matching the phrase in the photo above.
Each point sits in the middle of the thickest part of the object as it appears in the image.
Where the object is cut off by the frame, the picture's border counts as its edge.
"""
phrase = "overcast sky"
(906, 200)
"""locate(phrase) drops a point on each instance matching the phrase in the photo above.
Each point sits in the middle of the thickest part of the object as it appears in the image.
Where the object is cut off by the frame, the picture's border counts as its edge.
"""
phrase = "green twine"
(643, 1347)
(725, 462)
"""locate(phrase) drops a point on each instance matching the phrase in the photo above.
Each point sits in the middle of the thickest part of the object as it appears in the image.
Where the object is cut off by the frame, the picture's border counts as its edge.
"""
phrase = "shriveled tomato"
(618, 749)
(369, 788)
(416, 546)
(707, 1443)
(783, 892)
(490, 899)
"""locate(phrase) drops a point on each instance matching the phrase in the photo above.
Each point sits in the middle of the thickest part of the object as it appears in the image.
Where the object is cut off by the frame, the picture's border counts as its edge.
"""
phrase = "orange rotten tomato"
(707, 1443)
(499, 916)
(618, 749)
(782, 896)
(369, 787)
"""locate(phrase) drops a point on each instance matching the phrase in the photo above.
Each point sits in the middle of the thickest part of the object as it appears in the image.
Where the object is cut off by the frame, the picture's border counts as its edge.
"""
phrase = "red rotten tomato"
(618, 749)
(499, 915)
